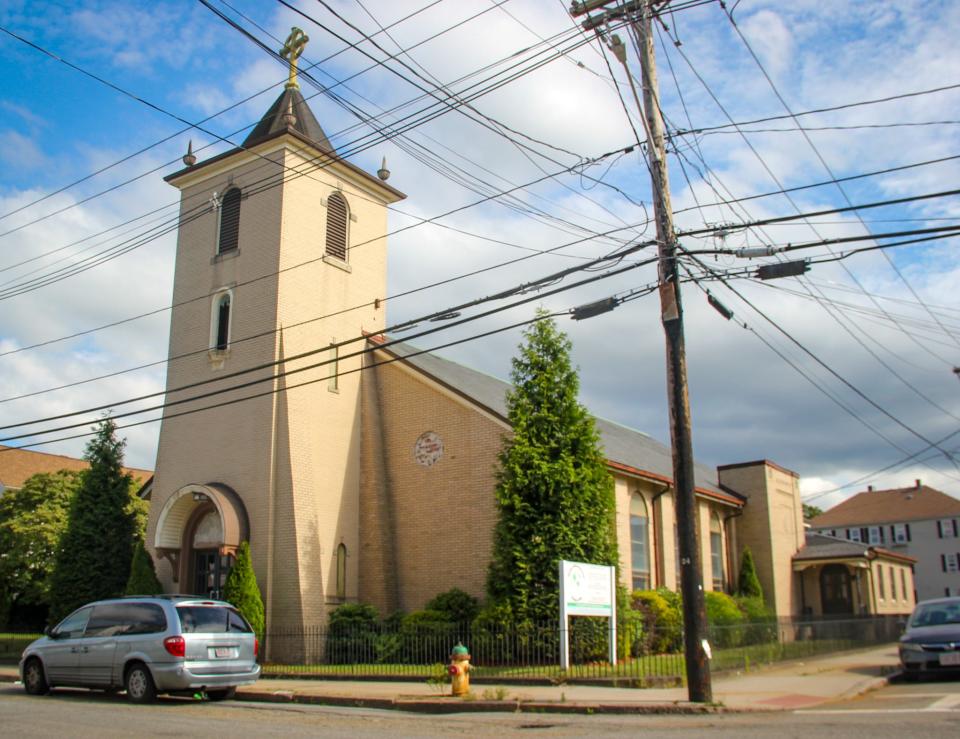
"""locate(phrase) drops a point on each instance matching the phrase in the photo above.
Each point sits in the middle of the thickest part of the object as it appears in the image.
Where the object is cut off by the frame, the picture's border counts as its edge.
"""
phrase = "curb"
(450, 705)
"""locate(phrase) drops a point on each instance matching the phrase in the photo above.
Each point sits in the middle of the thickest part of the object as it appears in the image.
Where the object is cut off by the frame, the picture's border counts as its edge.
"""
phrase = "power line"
(826, 166)
(285, 373)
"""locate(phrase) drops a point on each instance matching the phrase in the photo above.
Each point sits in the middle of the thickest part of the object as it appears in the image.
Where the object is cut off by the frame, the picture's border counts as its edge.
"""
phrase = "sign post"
(586, 590)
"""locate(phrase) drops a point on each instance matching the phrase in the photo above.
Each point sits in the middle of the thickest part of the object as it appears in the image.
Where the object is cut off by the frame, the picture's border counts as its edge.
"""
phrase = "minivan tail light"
(256, 647)
(175, 645)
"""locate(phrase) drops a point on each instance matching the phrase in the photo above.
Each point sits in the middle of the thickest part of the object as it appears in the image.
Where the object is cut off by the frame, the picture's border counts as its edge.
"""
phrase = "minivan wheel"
(221, 695)
(139, 684)
(34, 681)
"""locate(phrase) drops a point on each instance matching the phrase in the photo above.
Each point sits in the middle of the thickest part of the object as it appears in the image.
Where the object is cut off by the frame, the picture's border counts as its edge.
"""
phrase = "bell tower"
(280, 269)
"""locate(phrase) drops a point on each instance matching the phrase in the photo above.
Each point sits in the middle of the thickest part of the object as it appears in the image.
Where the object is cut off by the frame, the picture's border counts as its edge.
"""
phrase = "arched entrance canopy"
(180, 511)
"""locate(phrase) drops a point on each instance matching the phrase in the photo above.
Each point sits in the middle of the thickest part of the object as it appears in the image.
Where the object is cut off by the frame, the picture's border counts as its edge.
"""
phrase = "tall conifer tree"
(554, 492)
(96, 549)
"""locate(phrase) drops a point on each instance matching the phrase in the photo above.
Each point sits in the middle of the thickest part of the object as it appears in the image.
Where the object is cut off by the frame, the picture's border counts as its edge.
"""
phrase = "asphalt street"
(930, 709)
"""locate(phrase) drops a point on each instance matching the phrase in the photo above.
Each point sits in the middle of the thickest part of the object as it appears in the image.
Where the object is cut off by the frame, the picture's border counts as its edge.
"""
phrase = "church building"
(356, 470)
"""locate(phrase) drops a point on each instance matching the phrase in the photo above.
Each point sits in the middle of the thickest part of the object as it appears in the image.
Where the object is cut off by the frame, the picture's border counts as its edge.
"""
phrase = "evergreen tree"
(748, 584)
(143, 577)
(554, 492)
(242, 591)
(96, 549)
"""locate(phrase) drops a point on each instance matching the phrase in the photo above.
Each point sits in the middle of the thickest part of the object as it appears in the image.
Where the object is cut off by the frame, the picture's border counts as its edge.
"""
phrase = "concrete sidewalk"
(786, 686)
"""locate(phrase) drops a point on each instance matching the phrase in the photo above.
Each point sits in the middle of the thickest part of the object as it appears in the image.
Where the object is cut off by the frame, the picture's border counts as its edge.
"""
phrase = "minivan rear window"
(114, 619)
(211, 620)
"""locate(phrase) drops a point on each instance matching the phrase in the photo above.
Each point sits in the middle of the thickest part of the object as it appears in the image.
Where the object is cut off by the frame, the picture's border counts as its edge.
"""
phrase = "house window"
(220, 321)
(949, 562)
(903, 583)
(947, 529)
(639, 543)
(716, 551)
(342, 571)
(333, 368)
(854, 535)
(892, 583)
(337, 218)
(883, 592)
(901, 533)
(228, 237)
(875, 534)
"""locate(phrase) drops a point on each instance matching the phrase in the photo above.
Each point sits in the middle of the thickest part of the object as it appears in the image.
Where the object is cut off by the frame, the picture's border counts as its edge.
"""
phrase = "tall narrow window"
(333, 368)
(639, 543)
(716, 551)
(342, 571)
(229, 221)
(221, 336)
(337, 218)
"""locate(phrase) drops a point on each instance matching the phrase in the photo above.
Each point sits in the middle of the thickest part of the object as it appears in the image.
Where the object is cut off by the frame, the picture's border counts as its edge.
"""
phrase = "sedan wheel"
(139, 684)
(34, 681)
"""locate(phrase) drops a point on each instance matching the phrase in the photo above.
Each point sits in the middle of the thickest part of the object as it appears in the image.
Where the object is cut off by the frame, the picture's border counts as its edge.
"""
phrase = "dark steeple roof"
(276, 120)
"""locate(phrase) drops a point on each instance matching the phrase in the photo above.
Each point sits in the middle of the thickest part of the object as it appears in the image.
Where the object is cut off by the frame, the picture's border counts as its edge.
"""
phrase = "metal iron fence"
(645, 656)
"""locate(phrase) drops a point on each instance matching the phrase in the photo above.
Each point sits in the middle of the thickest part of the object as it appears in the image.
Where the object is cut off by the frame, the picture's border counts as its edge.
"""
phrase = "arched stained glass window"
(338, 216)
(639, 543)
(229, 235)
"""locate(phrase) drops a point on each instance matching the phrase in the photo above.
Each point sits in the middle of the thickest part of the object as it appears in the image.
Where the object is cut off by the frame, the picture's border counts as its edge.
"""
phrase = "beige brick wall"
(771, 525)
(423, 530)
(293, 457)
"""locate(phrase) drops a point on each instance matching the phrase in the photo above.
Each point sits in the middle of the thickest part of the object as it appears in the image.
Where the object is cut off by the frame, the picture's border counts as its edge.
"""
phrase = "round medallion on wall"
(428, 449)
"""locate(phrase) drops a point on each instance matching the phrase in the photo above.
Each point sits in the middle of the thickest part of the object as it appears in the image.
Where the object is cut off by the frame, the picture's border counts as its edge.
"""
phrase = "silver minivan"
(164, 644)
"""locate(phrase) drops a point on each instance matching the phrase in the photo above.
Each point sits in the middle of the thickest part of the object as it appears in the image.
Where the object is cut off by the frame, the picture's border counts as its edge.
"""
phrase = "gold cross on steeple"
(292, 49)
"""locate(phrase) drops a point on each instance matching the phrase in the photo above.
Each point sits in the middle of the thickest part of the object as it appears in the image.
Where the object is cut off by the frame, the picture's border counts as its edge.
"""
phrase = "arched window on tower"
(639, 543)
(342, 571)
(716, 551)
(229, 233)
(338, 216)
(220, 329)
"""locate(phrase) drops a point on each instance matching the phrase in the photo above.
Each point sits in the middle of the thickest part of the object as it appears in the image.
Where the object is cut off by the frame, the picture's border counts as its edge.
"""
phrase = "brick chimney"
(869, 488)
(917, 484)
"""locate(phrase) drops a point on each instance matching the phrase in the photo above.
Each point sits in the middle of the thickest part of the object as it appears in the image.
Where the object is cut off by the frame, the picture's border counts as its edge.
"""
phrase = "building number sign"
(428, 449)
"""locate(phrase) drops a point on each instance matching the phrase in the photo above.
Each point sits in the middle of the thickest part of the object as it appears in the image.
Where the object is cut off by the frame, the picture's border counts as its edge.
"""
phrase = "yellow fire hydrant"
(459, 670)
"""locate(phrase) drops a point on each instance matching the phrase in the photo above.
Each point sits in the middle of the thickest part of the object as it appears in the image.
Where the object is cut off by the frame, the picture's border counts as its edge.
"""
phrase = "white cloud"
(747, 402)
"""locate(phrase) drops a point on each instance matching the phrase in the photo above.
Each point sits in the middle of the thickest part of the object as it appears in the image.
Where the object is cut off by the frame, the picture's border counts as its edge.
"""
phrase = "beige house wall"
(771, 525)
(892, 599)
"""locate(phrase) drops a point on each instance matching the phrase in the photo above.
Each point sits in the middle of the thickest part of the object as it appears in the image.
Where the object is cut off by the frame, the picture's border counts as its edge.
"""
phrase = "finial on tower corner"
(292, 49)
(190, 158)
(383, 173)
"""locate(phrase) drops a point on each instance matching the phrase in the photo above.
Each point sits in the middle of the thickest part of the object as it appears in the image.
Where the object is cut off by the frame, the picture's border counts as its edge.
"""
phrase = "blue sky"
(890, 333)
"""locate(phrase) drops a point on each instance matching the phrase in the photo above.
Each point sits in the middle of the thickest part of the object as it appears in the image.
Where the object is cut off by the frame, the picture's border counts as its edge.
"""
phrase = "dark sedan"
(931, 643)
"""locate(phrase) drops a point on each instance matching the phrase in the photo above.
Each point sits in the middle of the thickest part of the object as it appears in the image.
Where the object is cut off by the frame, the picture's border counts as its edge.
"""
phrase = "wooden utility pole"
(696, 647)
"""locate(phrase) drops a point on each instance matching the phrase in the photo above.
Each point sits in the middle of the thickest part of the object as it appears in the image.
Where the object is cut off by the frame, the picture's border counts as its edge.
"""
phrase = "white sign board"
(587, 590)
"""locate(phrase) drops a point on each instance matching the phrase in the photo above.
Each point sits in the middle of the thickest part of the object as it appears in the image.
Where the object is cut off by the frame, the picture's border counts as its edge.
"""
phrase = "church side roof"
(915, 503)
(625, 448)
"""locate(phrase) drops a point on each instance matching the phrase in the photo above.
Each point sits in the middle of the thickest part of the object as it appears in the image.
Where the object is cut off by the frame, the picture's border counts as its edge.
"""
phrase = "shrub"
(748, 583)
(761, 621)
(242, 591)
(143, 578)
(456, 605)
(724, 619)
(352, 635)
(662, 620)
